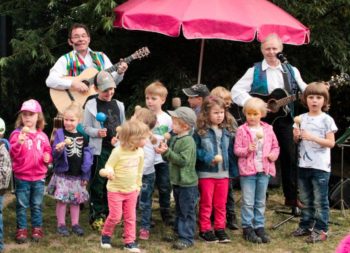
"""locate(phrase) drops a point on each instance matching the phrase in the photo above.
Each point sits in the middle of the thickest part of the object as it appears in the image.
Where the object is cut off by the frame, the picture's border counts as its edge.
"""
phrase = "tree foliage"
(39, 37)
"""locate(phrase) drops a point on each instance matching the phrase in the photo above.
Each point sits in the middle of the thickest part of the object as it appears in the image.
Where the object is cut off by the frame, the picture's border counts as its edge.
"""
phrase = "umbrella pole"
(200, 62)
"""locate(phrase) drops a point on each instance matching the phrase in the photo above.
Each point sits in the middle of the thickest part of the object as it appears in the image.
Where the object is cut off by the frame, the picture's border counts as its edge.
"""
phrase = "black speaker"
(5, 36)
(335, 194)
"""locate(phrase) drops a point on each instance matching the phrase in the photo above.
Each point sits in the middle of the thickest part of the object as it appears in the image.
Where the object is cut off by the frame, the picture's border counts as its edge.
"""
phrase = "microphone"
(280, 56)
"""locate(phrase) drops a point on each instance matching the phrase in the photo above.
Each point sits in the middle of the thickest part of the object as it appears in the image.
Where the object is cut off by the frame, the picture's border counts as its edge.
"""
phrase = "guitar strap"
(285, 80)
(287, 87)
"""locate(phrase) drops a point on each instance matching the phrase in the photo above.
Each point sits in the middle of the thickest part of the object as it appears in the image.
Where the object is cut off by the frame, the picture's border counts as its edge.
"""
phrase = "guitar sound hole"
(86, 83)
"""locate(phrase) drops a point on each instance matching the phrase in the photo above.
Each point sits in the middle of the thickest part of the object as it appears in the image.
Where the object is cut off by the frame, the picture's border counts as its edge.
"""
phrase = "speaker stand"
(295, 212)
(343, 205)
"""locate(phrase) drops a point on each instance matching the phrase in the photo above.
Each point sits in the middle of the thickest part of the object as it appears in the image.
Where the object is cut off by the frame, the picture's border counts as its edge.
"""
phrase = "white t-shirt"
(258, 160)
(311, 154)
(150, 154)
(164, 125)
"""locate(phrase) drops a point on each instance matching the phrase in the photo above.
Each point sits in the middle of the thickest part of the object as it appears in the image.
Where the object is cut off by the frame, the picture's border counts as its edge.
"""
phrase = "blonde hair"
(40, 123)
(317, 88)
(255, 104)
(203, 119)
(157, 88)
(131, 133)
(224, 93)
(74, 108)
(146, 116)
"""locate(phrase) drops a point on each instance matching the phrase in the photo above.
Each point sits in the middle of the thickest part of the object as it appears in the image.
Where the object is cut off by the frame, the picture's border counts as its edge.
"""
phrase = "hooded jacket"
(28, 158)
(61, 161)
(246, 158)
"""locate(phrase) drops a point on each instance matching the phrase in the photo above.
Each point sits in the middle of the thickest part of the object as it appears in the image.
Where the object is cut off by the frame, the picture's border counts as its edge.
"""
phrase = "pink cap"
(31, 106)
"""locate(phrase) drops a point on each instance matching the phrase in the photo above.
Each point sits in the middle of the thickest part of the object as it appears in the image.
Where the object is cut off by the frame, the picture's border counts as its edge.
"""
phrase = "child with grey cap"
(101, 130)
(181, 155)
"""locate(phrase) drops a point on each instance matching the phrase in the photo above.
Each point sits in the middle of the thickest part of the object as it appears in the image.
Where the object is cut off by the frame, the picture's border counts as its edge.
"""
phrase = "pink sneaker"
(144, 234)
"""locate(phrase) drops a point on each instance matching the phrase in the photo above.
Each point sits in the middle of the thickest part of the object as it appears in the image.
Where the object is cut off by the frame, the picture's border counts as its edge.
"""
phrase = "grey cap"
(186, 114)
(104, 81)
(197, 90)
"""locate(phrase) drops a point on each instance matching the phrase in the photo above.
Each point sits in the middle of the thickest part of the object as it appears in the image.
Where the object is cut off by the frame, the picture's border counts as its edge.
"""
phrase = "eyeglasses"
(77, 37)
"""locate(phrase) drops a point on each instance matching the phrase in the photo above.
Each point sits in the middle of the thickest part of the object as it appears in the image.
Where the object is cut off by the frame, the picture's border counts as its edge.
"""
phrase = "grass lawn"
(281, 239)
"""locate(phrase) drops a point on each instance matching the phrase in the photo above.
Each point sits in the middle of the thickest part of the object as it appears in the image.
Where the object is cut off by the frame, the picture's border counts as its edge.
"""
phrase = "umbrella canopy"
(237, 20)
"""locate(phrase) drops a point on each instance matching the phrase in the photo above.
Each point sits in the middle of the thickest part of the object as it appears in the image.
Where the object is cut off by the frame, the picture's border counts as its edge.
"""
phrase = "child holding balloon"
(101, 117)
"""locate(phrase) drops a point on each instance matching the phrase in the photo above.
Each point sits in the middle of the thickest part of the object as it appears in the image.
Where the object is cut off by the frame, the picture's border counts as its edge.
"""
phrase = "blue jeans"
(253, 200)
(163, 185)
(1, 224)
(313, 187)
(145, 203)
(185, 206)
(29, 194)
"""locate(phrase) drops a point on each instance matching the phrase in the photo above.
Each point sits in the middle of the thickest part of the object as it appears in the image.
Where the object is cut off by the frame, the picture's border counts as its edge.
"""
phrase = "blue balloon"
(101, 117)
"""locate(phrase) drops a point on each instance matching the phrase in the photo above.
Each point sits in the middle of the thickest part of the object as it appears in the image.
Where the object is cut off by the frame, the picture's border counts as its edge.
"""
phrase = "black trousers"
(283, 128)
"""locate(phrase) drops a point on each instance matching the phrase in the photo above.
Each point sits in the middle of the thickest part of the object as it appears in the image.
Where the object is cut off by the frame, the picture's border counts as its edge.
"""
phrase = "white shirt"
(163, 122)
(240, 91)
(150, 154)
(311, 154)
(59, 70)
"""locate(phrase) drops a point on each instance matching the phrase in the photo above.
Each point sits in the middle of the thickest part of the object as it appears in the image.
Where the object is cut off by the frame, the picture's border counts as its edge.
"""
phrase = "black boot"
(167, 217)
(260, 232)
(231, 221)
(250, 236)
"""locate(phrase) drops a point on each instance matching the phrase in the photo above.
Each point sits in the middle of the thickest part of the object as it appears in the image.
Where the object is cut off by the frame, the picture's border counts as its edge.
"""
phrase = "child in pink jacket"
(257, 149)
(30, 152)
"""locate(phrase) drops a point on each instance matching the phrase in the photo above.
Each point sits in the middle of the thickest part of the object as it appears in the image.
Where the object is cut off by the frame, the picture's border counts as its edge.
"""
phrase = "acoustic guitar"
(278, 99)
(63, 98)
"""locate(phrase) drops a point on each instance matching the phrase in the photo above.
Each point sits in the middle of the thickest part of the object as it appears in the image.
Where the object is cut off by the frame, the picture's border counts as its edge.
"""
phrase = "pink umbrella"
(237, 20)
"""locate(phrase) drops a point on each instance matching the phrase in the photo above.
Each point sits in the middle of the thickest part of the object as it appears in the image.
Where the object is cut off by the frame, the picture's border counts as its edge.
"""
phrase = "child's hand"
(46, 157)
(84, 182)
(60, 146)
(271, 157)
(305, 135)
(108, 173)
(21, 137)
(252, 146)
(162, 148)
(296, 132)
(114, 141)
(102, 132)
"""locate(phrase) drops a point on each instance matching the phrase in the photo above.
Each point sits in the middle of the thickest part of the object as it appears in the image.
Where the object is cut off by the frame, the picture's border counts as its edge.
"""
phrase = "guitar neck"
(115, 66)
(284, 101)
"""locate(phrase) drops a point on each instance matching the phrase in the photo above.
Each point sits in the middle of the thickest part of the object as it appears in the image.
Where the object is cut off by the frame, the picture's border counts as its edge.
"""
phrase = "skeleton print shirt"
(74, 152)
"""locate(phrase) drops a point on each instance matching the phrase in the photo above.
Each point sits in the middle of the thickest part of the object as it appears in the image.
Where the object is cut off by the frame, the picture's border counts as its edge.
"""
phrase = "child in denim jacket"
(215, 164)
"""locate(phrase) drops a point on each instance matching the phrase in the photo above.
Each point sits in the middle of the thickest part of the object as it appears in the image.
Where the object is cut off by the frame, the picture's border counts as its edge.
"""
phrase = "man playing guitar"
(81, 58)
(264, 78)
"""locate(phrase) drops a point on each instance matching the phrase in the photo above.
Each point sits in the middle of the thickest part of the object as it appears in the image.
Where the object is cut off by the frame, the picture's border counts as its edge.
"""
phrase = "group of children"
(206, 151)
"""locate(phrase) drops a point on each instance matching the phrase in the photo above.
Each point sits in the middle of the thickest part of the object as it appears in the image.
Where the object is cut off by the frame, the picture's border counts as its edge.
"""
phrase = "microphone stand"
(295, 212)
